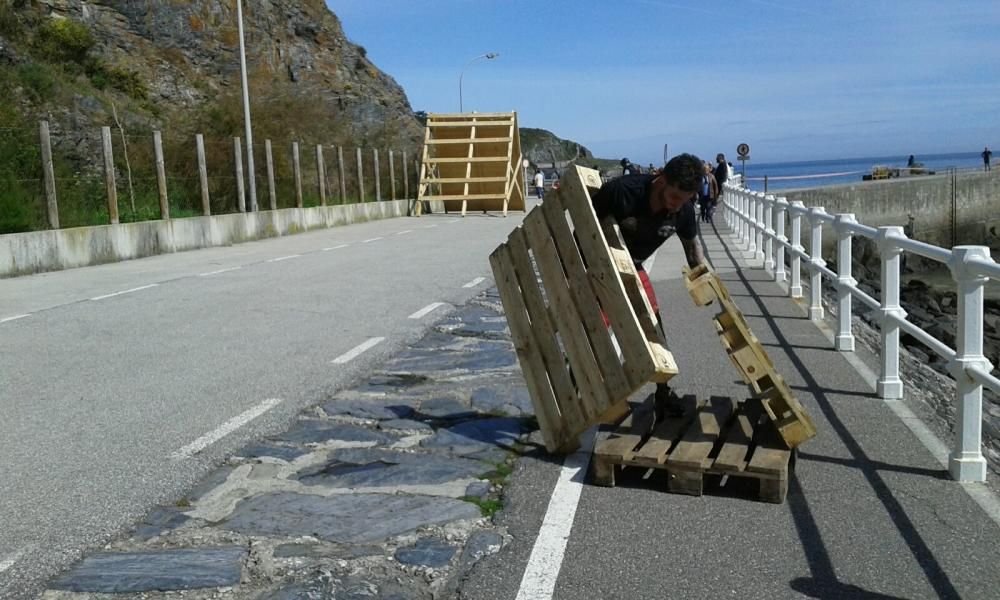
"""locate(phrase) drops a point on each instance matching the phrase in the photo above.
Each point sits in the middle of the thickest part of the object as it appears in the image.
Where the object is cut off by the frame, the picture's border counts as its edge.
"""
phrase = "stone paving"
(385, 490)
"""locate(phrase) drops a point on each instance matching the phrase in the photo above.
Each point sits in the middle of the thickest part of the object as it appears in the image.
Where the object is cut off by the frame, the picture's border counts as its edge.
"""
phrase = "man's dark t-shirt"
(627, 200)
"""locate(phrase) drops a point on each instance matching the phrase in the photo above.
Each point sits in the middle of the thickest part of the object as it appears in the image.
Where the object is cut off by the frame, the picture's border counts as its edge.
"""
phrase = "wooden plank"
(555, 363)
(626, 438)
(484, 123)
(589, 382)
(693, 449)
(436, 117)
(733, 454)
(474, 159)
(791, 420)
(604, 278)
(445, 141)
(600, 339)
(462, 197)
(528, 351)
(465, 180)
(770, 456)
(654, 452)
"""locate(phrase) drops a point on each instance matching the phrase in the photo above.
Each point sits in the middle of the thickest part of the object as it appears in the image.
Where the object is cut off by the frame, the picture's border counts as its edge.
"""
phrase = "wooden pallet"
(704, 285)
(472, 158)
(792, 422)
(559, 279)
(715, 437)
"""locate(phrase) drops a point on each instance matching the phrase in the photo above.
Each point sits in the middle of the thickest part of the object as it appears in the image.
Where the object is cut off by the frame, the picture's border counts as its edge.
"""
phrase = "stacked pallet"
(472, 158)
(583, 328)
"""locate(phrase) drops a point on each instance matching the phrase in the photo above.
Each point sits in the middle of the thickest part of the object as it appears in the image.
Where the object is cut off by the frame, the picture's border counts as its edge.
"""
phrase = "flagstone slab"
(162, 570)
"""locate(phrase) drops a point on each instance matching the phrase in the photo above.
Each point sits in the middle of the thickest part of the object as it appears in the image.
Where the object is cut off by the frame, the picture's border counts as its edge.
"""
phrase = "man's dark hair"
(685, 171)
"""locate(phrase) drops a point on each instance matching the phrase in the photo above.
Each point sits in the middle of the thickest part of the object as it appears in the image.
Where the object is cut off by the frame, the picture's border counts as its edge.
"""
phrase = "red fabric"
(648, 285)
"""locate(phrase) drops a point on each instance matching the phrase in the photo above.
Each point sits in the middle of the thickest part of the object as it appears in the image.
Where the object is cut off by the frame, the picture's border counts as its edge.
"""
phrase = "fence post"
(361, 177)
(816, 261)
(392, 176)
(741, 226)
(966, 462)
(795, 290)
(206, 201)
(759, 227)
(161, 175)
(241, 200)
(889, 385)
(342, 178)
(297, 168)
(109, 175)
(48, 174)
(844, 341)
(321, 174)
(378, 176)
(272, 192)
(769, 234)
(751, 225)
(406, 178)
(781, 206)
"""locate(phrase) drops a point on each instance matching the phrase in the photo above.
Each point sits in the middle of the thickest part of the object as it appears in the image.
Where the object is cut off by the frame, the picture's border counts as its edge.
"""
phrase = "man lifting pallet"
(649, 209)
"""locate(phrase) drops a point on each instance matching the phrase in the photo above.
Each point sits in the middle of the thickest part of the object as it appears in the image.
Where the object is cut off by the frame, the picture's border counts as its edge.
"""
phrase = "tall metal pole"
(251, 176)
(487, 56)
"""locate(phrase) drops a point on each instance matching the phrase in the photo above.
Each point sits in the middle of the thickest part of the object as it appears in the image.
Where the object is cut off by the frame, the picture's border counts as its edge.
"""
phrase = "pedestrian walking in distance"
(987, 155)
(539, 184)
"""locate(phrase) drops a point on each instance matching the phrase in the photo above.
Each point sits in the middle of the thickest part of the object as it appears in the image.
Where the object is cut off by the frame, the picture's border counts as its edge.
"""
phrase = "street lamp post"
(251, 176)
(487, 56)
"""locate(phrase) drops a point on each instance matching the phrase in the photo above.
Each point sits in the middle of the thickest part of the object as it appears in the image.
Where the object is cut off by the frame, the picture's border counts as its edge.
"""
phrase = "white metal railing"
(758, 222)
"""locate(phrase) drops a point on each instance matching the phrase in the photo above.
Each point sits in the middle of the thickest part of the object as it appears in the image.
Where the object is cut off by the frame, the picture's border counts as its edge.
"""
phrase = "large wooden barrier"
(573, 301)
(472, 158)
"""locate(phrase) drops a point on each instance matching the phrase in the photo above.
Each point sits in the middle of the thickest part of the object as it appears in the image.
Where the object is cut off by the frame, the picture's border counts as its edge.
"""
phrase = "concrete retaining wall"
(37, 251)
(927, 198)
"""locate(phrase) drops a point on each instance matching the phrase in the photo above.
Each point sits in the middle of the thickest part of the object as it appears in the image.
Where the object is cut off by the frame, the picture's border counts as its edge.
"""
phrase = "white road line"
(546, 558)
(374, 239)
(11, 560)
(426, 310)
(430, 226)
(474, 282)
(281, 258)
(354, 352)
(219, 271)
(14, 318)
(404, 232)
(452, 221)
(335, 247)
(225, 429)
(144, 287)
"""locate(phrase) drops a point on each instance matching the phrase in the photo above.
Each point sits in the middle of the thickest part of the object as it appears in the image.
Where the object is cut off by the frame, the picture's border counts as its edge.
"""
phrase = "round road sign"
(525, 163)
(743, 150)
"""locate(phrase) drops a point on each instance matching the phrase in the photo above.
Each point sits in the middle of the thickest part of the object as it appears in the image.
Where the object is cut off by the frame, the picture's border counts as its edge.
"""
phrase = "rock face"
(540, 146)
(186, 54)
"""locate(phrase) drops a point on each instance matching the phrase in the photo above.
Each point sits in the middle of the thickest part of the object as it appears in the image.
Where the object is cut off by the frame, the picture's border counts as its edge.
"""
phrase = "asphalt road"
(117, 397)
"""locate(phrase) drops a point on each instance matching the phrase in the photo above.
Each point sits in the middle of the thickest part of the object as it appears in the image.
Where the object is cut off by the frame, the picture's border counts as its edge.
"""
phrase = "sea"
(817, 173)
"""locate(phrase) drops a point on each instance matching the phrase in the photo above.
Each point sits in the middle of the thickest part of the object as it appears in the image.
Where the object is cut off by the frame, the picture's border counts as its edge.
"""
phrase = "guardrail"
(758, 221)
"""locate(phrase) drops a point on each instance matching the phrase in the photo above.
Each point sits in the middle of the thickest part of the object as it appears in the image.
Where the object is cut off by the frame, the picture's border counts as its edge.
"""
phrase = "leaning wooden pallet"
(751, 360)
(572, 302)
(715, 437)
(472, 158)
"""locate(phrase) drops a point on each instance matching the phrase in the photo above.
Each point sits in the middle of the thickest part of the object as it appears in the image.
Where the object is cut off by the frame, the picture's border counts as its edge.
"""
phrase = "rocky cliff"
(175, 65)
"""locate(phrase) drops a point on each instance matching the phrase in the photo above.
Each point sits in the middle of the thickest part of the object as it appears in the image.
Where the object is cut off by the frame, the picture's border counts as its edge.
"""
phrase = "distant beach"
(816, 173)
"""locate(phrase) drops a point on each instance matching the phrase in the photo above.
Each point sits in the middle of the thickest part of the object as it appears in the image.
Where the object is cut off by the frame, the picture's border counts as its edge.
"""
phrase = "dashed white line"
(281, 258)
(14, 318)
(430, 226)
(11, 560)
(144, 287)
(542, 571)
(225, 429)
(474, 282)
(354, 352)
(335, 247)
(374, 239)
(404, 232)
(219, 271)
(426, 310)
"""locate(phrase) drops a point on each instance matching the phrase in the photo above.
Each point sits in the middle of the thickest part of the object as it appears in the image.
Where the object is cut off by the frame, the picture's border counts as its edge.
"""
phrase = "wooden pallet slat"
(733, 454)
(693, 449)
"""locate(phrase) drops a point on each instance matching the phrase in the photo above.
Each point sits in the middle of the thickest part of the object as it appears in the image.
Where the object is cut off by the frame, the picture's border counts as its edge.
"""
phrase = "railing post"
(161, 175)
(321, 174)
(272, 193)
(378, 175)
(780, 206)
(759, 226)
(51, 202)
(966, 462)
(361, 176)
(241, 201)
(741, 203)
(109, 175)
(729, 208)
(751, 224)
(889, 385)
(744, 213)
(769, 234)
(815, 262)
(795, 290)
(297, 174)
(392, 176)
(844, 341)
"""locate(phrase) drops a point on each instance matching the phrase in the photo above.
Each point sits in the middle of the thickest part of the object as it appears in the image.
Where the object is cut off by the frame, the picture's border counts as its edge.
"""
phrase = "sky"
(796, 80)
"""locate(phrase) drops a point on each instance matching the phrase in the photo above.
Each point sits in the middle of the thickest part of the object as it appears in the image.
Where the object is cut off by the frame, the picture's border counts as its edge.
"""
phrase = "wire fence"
(78, 179)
